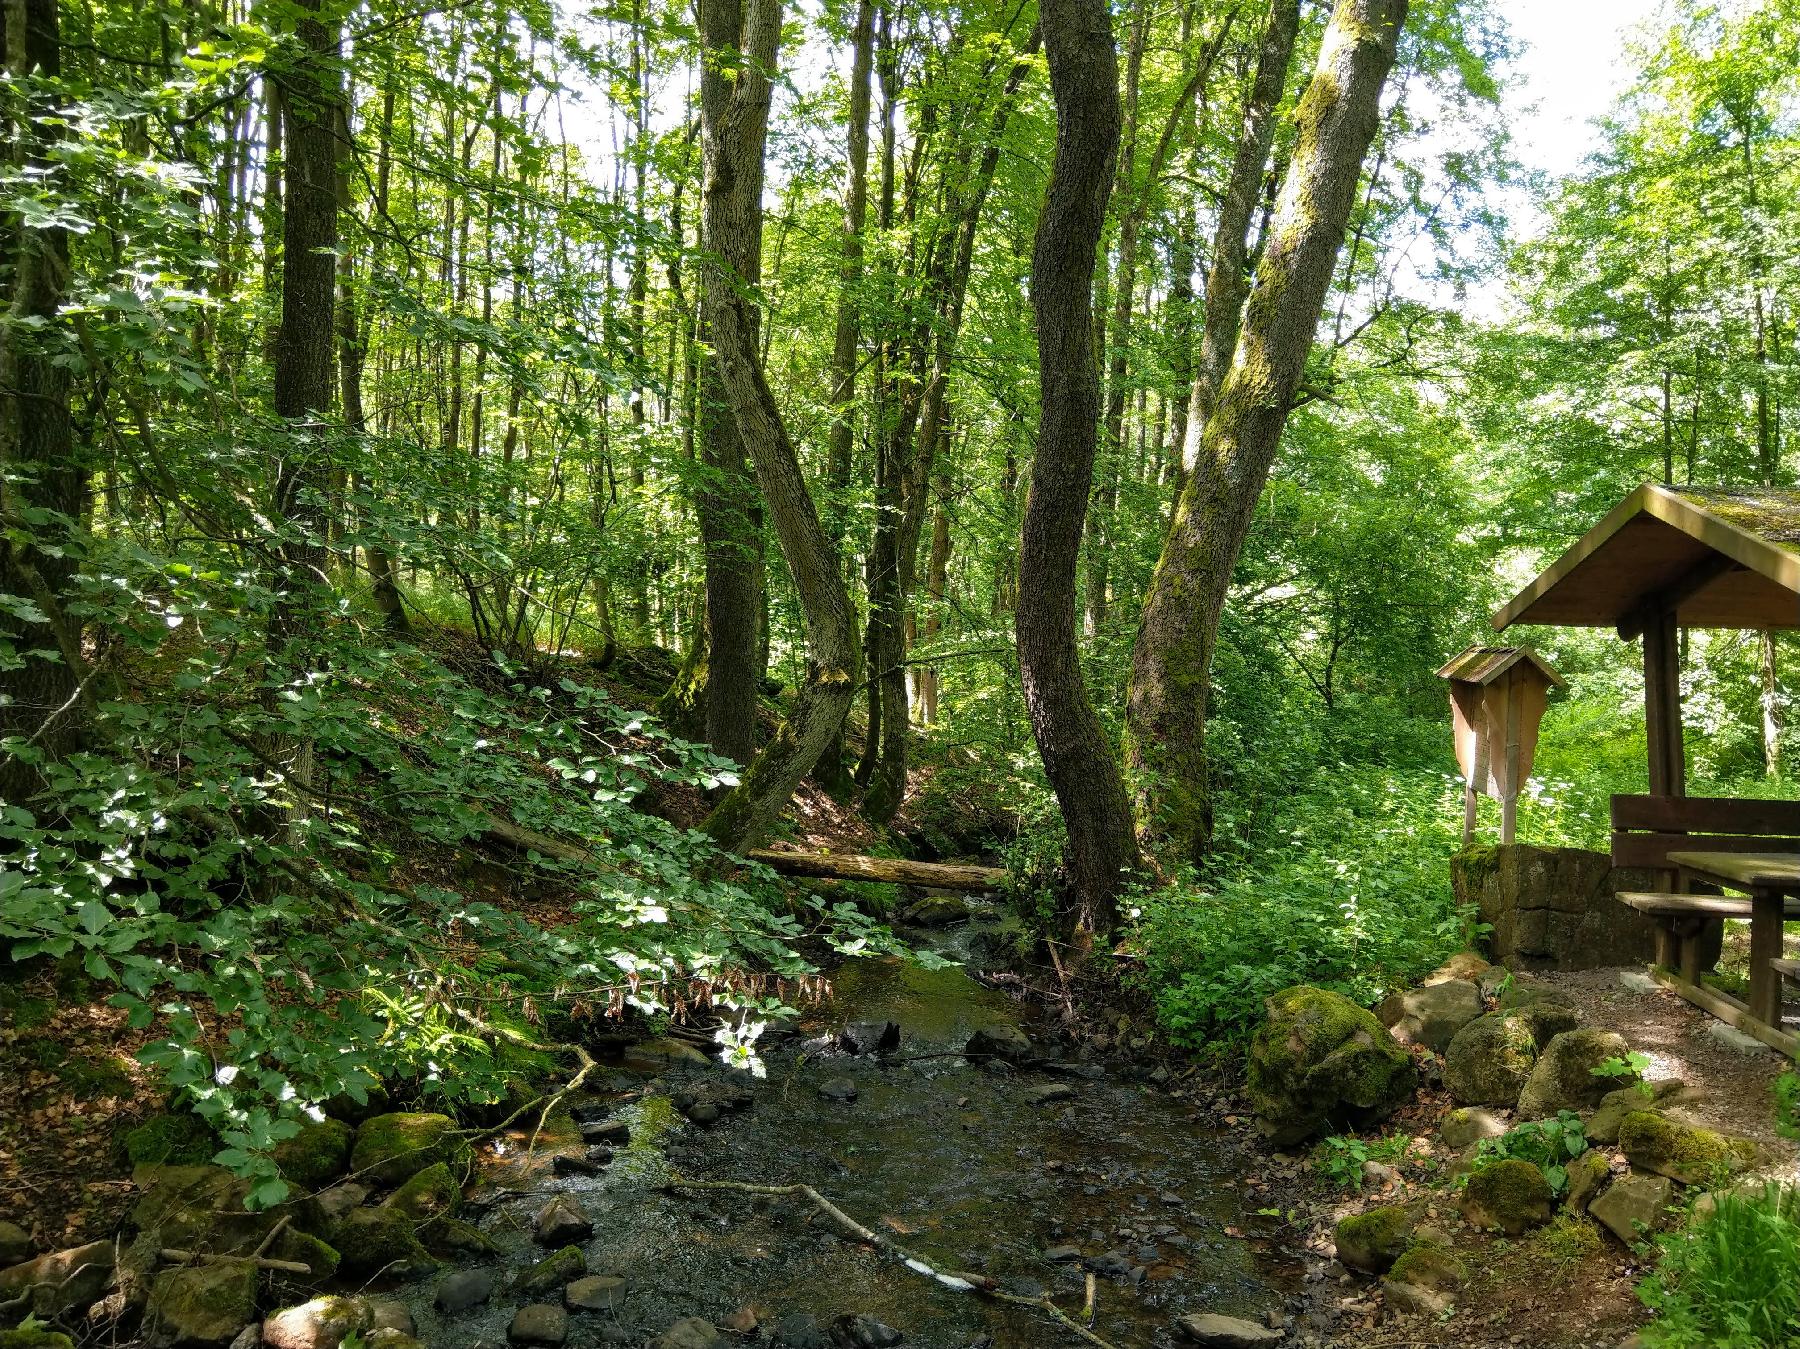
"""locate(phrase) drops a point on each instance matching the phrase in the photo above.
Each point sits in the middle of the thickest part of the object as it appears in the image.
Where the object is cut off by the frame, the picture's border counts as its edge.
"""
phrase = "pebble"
(561, 1222)
(539, 1323)
(1046, 1092)
(567, 1164)
(838, 1089)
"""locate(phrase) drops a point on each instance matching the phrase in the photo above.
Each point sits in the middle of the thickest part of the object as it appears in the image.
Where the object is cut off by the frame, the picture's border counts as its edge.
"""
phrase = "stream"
(965, 1165)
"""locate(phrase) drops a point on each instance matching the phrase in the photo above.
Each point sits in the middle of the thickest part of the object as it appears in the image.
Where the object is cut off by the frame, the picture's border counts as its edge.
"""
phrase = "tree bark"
(886, 870)
(1172, 659)
(734, 132)
(730, 518)
(42, 483)
(1084, 80)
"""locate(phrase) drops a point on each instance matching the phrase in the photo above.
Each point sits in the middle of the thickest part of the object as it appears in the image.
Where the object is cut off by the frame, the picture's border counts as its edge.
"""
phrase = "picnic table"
(1768, 878)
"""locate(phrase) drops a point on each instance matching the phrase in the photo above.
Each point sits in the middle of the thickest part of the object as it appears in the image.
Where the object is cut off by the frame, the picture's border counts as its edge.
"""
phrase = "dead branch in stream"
(979, 1284)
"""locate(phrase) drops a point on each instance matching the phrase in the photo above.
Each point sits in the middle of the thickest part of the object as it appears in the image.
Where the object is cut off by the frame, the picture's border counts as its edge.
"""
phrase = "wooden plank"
(1654, 850)
(1705, 815)
(1660, 904)
(887, 870)
(1729, 1010)
(1748, 868)
(1787, 969)
(1766, 930)
(1670, 598)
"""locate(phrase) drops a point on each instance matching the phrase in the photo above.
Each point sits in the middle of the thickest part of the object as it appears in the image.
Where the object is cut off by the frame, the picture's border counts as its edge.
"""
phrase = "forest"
(677, 596)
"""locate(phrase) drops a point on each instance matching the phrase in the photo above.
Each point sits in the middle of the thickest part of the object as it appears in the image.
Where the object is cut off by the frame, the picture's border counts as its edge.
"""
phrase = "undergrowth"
(1726, 1280)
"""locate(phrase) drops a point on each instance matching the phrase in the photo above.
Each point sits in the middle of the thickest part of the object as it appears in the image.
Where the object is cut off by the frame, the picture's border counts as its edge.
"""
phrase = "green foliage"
(1354, 898)
(1726, 1279)
(1549, 1144)
(1630, 1065)
(1786, 1090)
(1340, 1157)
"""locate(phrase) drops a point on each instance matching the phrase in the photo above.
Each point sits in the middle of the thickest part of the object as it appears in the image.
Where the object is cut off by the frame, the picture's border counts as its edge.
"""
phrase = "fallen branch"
(173, 1256)
(886, 870)
(979, 1284)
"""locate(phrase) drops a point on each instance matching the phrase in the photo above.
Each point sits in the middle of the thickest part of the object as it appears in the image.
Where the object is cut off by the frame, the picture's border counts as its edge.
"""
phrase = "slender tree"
(1078, 760)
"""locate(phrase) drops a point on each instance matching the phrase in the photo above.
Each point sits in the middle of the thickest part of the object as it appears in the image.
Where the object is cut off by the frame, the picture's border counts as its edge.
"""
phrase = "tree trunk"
(729, 515)
(847, 337)
(1084, 79)
(734, 131)
(1172, 659)
(303, 375)
(42, 484)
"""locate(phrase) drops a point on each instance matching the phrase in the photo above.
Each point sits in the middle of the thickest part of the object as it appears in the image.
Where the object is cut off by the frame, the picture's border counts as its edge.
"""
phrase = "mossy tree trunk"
(1172, 659)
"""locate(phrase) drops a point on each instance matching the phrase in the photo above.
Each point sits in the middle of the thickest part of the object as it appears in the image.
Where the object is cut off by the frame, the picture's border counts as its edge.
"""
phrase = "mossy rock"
(305, 1249)
(552, 1272)
(1429, 1263)
(1563, 1077)
(320, 1152)
(1372, 1241)
(1587, 1173)
(323, 1323)
(1490, 1060)
(431, 1193)
(171, 1140)
(372, 1239)
(201, 1305)
(35, 1339)
(1681, 1151)
(453, 1236)
(1510, 1196)
(1319, 1061)
(391, 1149)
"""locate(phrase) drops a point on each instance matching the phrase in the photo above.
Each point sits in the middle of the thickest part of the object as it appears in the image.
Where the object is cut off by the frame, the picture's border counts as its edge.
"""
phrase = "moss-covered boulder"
(322, 1323)
(1467, 1125)
(1319, 1061)
(454, 1237)
(1563, 1077)
(201, 1306)
(1685, 1152)
(59, 1281)
(173, 1139)
(373, 1239)
(1509, 1196)
(391, 1149)
(318, 1153)
(432, 1193)
(1372, 1241)
(302, 1248)
(1490, 1059)
(552, 1272)
(1429, 1263)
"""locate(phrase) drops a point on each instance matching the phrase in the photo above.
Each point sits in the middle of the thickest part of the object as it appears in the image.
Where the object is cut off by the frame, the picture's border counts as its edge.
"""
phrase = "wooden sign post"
(1497, 699)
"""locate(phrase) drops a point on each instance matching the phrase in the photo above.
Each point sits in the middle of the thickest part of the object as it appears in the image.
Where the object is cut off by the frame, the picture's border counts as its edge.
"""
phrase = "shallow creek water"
(953, 1161)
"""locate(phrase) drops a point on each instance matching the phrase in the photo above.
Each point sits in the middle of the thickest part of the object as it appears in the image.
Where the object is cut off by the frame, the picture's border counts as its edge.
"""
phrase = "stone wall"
(1554, 908)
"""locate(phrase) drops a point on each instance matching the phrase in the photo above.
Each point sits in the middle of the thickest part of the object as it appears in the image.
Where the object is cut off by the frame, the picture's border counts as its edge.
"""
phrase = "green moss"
(1568, 1241)
(428, 1194)
(1683, 1152)
(92, 1077)
(453, 1236)
(1372, 1241)
(34, 1339)
(1509, 1196)
(1429, 1263)
(373, 1239)
(1478, 862)
(392, 1148)
(170, 1140)
(202, 1304)
(22, 1010)
(1320, 1060)
(315, 1155)
(305, 1249)
(552, 1272)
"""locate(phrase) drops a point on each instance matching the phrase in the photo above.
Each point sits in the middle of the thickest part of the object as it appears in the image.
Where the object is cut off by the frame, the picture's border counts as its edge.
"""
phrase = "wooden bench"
(1646, 829)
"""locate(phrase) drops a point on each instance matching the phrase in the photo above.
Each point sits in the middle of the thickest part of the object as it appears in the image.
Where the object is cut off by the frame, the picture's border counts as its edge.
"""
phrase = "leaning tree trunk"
(1172, 660)
(1084, 78)
(41, 481)
(734, 133)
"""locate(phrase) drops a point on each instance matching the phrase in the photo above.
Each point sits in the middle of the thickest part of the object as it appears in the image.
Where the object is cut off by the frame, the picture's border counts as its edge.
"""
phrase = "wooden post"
(1766, 915)
(1662, 707)
(1515, 718)
(1469, 807)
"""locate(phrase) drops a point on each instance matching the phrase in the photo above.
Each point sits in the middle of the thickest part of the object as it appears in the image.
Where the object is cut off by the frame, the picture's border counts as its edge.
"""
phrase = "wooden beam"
(1678, 592)
(1662, 707)
(1729, 1010)
(885, 870)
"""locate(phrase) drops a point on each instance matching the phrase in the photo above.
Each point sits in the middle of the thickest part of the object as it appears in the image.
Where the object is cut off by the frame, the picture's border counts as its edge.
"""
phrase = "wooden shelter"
(1664, 559)
(1497, 699)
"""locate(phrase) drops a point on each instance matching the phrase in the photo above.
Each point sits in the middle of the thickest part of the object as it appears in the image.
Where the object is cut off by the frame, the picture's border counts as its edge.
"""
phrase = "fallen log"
(889, 870)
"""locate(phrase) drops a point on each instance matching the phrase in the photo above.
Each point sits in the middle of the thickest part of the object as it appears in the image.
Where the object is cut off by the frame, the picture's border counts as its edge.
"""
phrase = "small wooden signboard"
(1497, 699)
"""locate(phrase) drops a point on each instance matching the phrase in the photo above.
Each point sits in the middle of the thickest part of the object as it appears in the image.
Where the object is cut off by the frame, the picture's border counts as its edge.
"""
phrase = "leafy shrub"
(1726, 1281)
(1357, 901)
(1340, 1158)
(1786, 1090)
(1548, 1144)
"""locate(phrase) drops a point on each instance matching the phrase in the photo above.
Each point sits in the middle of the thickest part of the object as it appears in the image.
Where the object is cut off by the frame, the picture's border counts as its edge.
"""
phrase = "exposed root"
(979, 1284)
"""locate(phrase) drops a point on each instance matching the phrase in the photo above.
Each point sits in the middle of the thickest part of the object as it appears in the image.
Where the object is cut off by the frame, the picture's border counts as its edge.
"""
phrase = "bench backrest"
(1646, 829)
